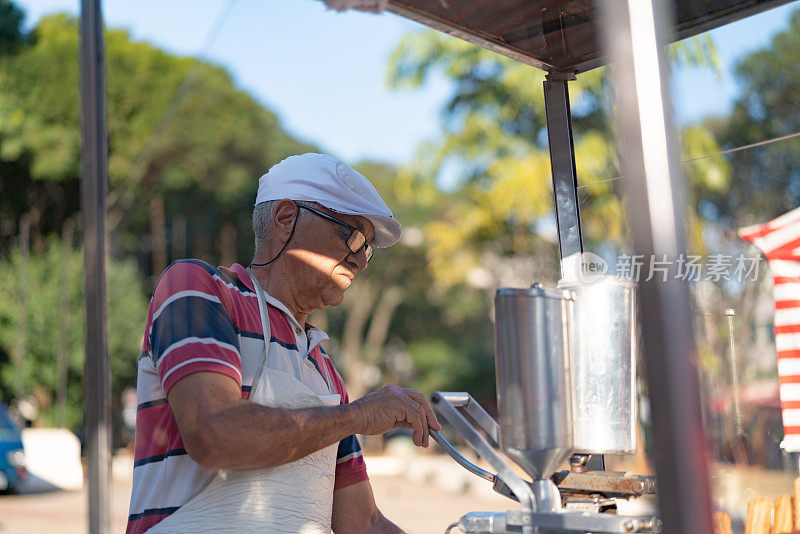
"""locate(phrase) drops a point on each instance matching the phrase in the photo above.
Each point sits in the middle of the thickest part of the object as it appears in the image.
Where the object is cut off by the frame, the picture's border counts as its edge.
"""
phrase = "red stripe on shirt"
(198, 367)
(338, 383)
(143, 523)
(281, 329)
(183, 276)
(349, 473)
(244, 314)
(156, 432)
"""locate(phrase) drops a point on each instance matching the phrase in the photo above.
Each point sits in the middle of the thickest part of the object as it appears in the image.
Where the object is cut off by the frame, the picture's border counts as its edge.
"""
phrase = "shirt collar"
(315, 335)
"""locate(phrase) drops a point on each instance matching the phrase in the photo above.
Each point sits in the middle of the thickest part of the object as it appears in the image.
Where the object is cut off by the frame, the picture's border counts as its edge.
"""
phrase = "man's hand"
(395, 407)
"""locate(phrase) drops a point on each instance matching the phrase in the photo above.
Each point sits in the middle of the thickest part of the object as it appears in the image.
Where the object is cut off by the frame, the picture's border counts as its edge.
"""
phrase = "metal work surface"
(553, 523)
(608, 483)
(557, 34)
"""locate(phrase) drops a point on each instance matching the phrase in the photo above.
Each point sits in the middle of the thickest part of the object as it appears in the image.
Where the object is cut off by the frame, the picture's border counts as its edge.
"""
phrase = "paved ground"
(422, 495)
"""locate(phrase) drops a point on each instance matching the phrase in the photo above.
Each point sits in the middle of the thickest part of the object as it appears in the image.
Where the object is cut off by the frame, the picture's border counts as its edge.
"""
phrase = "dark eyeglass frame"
(368, 250)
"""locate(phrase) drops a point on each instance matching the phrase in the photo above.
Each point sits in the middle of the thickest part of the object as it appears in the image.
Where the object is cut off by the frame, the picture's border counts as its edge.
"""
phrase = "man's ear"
(283, 219)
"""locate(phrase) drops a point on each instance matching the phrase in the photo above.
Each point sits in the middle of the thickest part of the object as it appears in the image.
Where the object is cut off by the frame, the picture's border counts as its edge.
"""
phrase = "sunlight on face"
(322, 264)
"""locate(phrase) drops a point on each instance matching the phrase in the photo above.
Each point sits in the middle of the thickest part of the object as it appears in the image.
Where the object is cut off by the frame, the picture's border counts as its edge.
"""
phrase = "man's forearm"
(251, 436)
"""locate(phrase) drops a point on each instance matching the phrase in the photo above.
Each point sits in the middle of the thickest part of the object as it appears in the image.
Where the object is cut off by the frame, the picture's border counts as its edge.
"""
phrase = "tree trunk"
(179, 236)
(227, 244)
(63, 326)
(158, 230)
(22, 345)
(359, 304)
(379, 325)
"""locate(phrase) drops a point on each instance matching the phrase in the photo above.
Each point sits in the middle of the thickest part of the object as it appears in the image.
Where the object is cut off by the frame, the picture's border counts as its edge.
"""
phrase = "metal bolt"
(630, 525)
(639, 486)
(577, 463)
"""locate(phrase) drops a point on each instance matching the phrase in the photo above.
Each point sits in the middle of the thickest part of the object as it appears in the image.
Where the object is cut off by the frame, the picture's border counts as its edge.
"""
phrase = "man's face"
(325, 265)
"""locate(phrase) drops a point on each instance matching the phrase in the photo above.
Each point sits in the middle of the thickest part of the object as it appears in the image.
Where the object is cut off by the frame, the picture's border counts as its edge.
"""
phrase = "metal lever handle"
(455, 455)
(447, 409)
(464, 401)
(497, 484)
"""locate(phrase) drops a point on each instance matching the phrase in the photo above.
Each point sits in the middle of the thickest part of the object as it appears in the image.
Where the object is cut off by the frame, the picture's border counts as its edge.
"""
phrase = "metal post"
(94, 189)
(565, 193)
(565, 179)
(635, 32)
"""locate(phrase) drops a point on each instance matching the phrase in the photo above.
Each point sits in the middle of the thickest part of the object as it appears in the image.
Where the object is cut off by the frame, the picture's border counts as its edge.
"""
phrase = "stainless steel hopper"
(537, 394)
(534, 388)
(603, 338)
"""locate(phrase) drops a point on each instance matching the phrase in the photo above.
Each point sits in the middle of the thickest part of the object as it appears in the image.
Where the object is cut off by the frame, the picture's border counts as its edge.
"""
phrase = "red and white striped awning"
(779, 240)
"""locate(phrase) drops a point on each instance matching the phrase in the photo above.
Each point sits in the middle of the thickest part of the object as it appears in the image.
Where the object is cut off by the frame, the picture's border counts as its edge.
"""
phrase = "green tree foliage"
(184, 142)
(45, 275)
(11, 34)
(495, 140)
(396, 325)
(767, 179)
(186, 149)
(485, 189)
(495, 137)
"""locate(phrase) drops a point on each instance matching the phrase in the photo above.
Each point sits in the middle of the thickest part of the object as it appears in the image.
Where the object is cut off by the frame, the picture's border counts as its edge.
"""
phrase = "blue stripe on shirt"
(159, 457)
(154, 511)
(322, 374)
(273, 339)
(348, 445)
(148, 404)
(210, 269)
(245, 333)
(191, 317)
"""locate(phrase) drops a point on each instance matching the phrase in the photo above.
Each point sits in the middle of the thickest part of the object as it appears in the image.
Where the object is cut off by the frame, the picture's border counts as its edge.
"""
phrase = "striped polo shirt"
(202, 318)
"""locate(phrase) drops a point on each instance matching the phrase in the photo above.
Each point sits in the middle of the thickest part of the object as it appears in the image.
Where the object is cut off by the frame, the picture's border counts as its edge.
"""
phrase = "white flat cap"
(335, 185)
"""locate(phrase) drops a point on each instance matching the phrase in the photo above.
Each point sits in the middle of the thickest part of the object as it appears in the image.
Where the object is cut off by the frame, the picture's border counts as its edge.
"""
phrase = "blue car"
(12, 457)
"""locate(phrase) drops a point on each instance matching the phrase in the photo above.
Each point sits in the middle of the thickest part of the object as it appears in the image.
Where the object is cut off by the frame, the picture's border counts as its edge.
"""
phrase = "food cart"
(564, 38)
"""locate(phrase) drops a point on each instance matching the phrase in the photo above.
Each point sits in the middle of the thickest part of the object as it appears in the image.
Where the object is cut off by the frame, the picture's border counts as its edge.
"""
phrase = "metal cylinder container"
(534, 385)
(603, 336)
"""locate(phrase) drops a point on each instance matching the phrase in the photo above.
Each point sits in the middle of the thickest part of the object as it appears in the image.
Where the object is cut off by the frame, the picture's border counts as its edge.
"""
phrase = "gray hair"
(263, 213)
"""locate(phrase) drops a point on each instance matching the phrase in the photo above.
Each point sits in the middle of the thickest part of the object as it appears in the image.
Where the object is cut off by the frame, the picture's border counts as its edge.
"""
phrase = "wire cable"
(180, 94)
(745, 147)
(720, 153)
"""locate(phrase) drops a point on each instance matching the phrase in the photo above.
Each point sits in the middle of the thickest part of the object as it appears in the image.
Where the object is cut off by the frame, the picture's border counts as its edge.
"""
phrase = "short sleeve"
(350, 466)
(189, 328)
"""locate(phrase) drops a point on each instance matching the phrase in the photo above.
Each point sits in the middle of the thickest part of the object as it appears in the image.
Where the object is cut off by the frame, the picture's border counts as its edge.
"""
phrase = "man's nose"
(360, 258)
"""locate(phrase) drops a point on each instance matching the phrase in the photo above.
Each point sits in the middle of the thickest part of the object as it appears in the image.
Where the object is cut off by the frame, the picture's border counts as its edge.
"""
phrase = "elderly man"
(243, 422)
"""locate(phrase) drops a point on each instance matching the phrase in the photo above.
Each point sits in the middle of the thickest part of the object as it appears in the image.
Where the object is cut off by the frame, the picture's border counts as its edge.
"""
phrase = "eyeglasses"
(355, 241)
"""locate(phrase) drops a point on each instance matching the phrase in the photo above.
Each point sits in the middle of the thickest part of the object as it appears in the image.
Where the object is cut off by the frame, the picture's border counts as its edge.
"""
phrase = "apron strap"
(263, 311)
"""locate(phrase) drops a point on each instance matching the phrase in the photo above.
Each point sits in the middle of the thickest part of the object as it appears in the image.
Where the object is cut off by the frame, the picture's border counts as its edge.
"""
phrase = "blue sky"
(324, 73)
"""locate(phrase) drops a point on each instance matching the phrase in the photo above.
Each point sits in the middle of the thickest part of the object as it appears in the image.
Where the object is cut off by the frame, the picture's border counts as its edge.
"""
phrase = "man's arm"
(355, 512)
(220, 430)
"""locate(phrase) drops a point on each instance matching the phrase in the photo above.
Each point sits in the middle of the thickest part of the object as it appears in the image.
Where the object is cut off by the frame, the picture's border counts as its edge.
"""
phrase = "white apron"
(292, 498)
